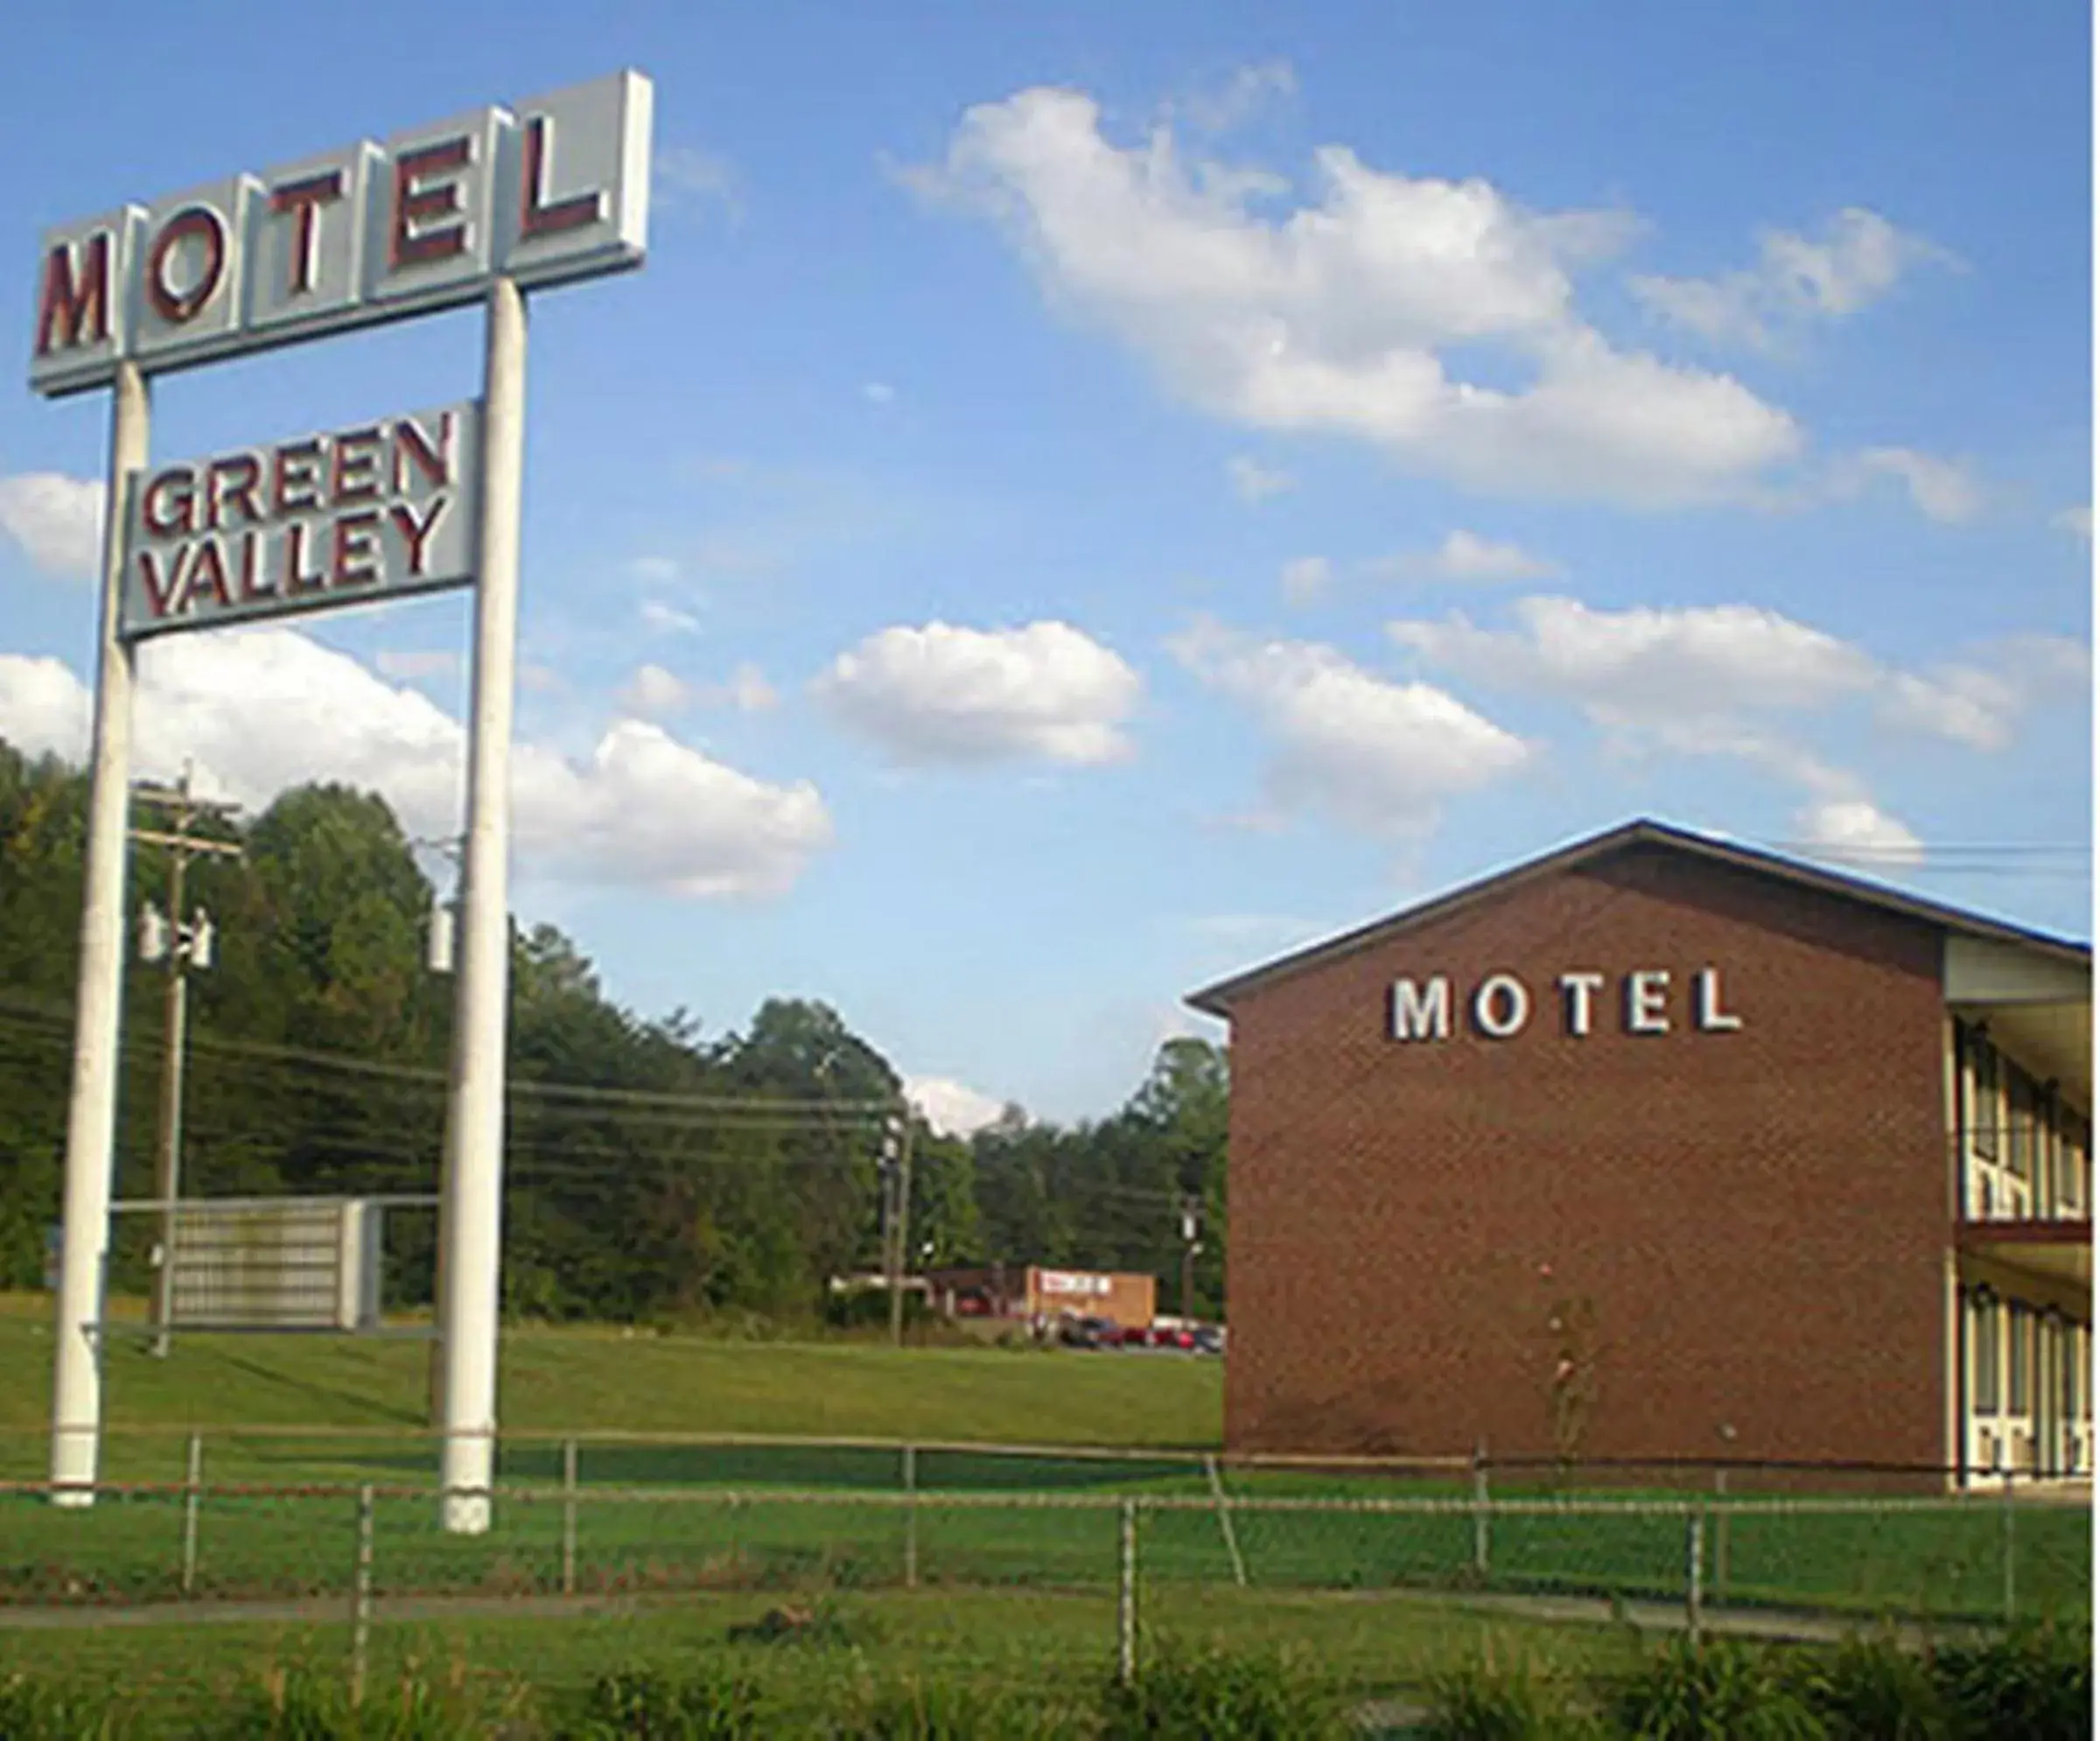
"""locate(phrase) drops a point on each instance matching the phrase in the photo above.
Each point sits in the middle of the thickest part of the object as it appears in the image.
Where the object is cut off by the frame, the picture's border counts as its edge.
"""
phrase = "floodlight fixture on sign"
(152, 934)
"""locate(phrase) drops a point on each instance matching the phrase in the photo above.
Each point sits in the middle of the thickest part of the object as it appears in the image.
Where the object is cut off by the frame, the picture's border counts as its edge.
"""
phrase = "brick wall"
(1755, 1222)
(1127, 1302)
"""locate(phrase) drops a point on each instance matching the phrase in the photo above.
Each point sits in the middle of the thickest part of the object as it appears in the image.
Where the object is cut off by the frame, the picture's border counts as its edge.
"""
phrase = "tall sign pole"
(76, 1386)
(475, 209)
(469, 1300)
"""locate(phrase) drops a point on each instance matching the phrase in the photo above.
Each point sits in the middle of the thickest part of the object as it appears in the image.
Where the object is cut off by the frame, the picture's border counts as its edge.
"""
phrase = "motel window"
(2081, 1372)
(2074, 1163)
(2019, 1360)
(1983, 1096)
(2023, 1107)
(1984, 1352)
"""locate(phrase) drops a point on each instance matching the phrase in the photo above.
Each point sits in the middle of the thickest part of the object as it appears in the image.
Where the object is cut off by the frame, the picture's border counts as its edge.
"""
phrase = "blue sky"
(1078, 501)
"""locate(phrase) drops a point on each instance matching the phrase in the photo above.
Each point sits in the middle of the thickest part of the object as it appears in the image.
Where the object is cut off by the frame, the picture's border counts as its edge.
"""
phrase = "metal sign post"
(477, 208)
(470, 1229)
(76, 1386)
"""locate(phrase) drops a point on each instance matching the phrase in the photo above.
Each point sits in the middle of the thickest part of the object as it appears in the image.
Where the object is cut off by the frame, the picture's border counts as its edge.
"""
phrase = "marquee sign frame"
(478, 208)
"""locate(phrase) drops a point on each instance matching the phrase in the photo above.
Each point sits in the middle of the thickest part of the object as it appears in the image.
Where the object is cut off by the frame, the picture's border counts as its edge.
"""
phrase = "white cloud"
(658, 569)
(1678, 670)
(1645, 664)
(1707, 680)
(263, 710)
(1271, 931)
(43, 708)
(943, 694)
(647, 809)
(686, 177)
(56, 520)
(1335, 316)
(1941, 489)
(1978, 702)
(1255, 481)
(951, 1108)
(2078, 521)
(655, 693)
(1466, 555)
(1245, 95)
(1307, 577)
(747, 691)
(1858, 831)
(409, 665)
(878, 392)
(661, 618)
(1374, 755)
(1858, 260)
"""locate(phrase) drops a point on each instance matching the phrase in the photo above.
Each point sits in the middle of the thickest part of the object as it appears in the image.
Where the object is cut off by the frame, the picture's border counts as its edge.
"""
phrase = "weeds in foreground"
(2035, 1682)
(1208, 1695)
(704, 1706)
(1482, 1702)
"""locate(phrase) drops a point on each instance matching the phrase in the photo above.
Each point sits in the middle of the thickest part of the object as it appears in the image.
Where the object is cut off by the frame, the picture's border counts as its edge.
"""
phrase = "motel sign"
(477, 209)
(380, 510)
(554, 190)
(1647, 1001)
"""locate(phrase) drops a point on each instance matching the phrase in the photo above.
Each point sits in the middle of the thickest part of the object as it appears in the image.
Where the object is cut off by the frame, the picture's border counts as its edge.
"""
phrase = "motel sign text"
(553, 190)
(1649, 1002)
(385, 508)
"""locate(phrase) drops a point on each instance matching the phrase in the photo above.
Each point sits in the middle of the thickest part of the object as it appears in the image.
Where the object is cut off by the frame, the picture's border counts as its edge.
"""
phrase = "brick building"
(1038, 1292)
(1656, 1147)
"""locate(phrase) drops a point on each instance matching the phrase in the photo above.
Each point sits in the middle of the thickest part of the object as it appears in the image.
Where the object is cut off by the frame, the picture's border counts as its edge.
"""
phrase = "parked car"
(1085, 1332)
(1210, 1339)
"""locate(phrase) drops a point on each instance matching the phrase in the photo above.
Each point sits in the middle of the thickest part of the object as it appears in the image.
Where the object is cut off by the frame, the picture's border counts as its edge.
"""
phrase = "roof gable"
(1218, 999)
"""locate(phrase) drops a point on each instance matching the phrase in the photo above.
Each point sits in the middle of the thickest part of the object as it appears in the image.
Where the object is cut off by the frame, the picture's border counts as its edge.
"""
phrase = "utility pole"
(897, 1168)
(183, 946)
(1191, 1226)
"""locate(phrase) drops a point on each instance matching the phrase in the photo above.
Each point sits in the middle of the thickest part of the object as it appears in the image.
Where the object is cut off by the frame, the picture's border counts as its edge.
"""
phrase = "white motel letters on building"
(548, 191)
(384, 509)
(1500, 1007)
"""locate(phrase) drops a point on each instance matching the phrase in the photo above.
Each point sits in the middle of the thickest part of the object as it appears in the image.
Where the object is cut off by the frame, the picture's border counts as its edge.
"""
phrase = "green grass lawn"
(1946, 1563)
(287, 1412)
(599, 1379)
(1044, 1646)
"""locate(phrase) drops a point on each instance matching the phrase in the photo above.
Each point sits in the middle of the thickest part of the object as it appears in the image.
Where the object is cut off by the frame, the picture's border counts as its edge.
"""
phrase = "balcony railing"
(2008, 1181)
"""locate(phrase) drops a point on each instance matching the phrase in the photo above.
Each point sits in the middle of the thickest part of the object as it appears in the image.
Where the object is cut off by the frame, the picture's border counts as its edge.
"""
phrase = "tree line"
(654, 1169)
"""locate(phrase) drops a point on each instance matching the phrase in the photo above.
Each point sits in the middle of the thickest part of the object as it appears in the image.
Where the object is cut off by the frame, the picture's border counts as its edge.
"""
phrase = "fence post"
(1126, 1598)
(1720, 1538)
(1695, 1545)
(361, 1600)
(2006, 1532)
(192, 1482)
(1225, 1525)
(1480, 1510)
(569, 1517)
(911, 1517)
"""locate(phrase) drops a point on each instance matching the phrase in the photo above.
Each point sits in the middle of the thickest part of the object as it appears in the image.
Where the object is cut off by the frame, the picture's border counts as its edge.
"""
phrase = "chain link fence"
(259, 1516)
(1020, 1567)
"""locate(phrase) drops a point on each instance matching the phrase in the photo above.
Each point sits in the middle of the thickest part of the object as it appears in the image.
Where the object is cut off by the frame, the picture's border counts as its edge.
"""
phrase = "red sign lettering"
(304, 199)
(73, 303)
(178, 307)
(414, 204)
(537, 218)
